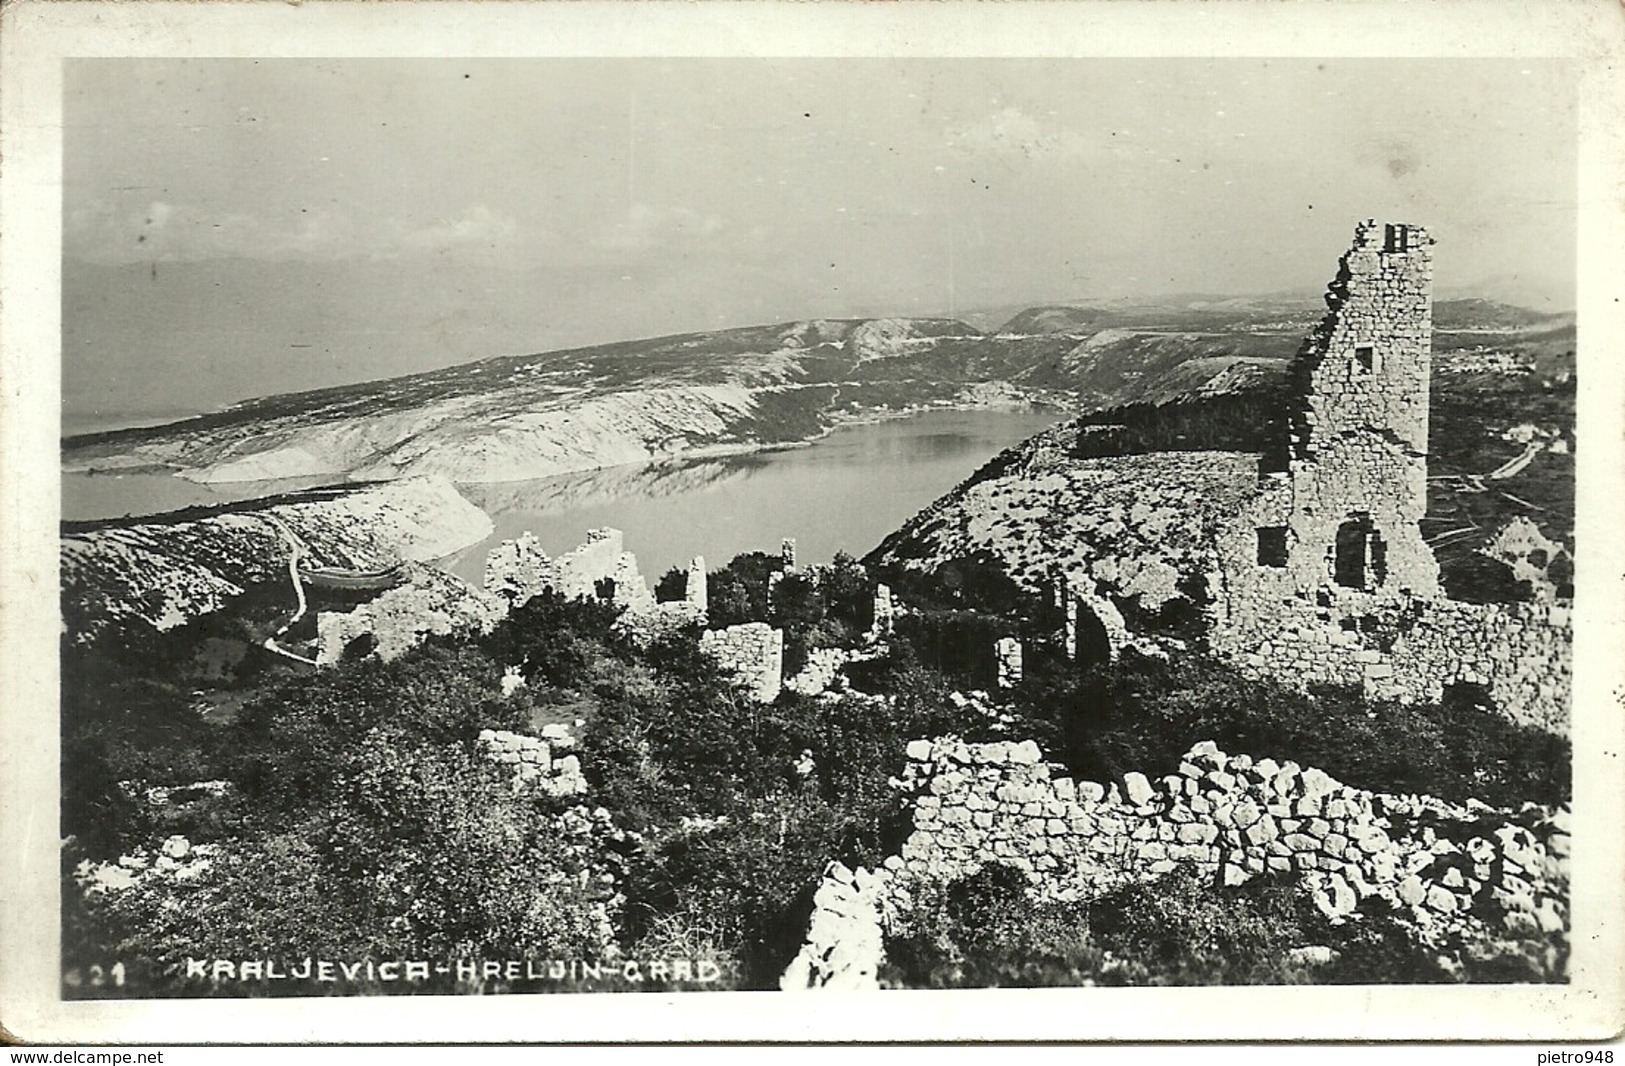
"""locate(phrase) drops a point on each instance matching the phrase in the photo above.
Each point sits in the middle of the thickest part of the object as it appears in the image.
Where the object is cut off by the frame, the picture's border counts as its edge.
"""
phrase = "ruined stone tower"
(1356, 448)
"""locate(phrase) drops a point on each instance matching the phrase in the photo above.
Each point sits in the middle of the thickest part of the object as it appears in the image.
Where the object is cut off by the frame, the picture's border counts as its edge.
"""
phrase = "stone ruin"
(1007, 653)
(885, 614)
(518, 570)
(787, 565)
(1324, 577)
(533, 761)
(1448, 871)
(434, 602)
(600, 569)
(825, 667)
(753, 652)
(1094, 630)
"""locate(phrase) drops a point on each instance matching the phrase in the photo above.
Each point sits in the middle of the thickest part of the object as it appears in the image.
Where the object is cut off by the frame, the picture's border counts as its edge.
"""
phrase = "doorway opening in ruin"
(1467, 694)
(604, 589)
(1093, 643)
(1365, 357)
(1360, 558)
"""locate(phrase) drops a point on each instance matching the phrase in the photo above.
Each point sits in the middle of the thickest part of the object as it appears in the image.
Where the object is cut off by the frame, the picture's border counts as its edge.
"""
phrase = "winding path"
(298, 590)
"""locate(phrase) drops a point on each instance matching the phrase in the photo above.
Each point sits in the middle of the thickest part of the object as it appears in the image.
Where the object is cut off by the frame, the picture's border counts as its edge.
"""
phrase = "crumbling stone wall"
(1324, 577)
(1007, 650)
(533, 762)
(696, 594)
(1406, 648)
(825, 668)
(885, 614)
(600, 568)
(753, 652)
(1447, 870)
(845, 943)
(1094, 627)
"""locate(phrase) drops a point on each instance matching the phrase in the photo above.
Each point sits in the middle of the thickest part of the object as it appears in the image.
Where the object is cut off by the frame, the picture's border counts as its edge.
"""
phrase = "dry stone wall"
(753, 652)
(1450, 871)
(533, 762)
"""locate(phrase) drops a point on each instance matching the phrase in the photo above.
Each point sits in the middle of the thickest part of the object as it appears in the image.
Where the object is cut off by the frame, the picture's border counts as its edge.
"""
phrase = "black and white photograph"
(723, 519)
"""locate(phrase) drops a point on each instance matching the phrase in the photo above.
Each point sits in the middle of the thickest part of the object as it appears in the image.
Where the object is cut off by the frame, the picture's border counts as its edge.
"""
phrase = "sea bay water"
(844, 491)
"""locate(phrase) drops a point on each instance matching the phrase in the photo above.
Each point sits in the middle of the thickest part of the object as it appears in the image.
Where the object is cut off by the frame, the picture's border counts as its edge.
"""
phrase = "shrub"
(290, 742)
(984, 930)
(747, 883)
(557, 640)
(423, 852)
(738, 592)
(1146, 713)
(672, 585)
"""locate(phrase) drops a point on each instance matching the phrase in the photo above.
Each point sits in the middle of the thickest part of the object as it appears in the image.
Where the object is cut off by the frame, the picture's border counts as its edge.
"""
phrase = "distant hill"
(530, 416)
(1137, 482)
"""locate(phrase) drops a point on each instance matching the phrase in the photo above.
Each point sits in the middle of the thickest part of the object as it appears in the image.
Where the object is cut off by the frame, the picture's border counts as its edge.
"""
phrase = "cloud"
(477, 226)
(647, 228)
(1013, 132)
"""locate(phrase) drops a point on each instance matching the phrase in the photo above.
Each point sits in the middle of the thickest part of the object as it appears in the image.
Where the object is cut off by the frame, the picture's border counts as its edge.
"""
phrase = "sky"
(235, 227)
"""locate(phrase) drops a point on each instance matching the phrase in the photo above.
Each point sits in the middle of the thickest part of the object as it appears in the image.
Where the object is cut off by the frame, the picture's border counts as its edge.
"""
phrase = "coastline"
(991, 396)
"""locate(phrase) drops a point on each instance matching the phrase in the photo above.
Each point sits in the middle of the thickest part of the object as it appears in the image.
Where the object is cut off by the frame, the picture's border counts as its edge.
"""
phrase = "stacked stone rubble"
(533, 763)
(824, 667)
(845, 942)
(176, 860)
(1468, 872)
(753, 652)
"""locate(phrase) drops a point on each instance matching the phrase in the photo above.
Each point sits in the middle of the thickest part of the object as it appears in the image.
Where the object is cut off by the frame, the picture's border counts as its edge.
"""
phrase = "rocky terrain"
(1139, 484)
(1134, 484)
(164, 573)
(525, 417)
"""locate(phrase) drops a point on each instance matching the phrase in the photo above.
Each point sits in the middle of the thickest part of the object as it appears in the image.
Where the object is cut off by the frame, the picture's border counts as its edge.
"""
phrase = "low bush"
(1144, 714)
(984, 930)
